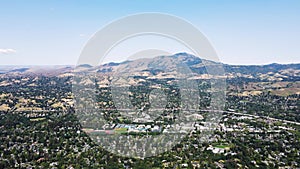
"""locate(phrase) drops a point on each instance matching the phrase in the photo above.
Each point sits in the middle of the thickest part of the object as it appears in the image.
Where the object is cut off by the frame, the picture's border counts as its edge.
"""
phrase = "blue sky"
(34, 32)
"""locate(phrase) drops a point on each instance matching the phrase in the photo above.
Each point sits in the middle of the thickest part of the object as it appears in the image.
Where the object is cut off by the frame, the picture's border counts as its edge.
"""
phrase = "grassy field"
(38, 119)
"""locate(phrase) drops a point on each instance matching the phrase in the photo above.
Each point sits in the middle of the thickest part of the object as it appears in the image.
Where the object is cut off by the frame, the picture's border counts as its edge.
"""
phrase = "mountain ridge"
(196, 64)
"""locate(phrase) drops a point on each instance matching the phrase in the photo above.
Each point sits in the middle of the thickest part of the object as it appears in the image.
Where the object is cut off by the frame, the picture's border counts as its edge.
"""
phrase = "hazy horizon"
(53, 65)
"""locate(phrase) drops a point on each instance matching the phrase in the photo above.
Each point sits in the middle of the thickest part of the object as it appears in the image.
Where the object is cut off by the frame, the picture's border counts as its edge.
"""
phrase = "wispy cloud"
(7, 51)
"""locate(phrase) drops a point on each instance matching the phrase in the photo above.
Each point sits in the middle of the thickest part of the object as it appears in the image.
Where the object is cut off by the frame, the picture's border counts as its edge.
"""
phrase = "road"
(202, 110)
